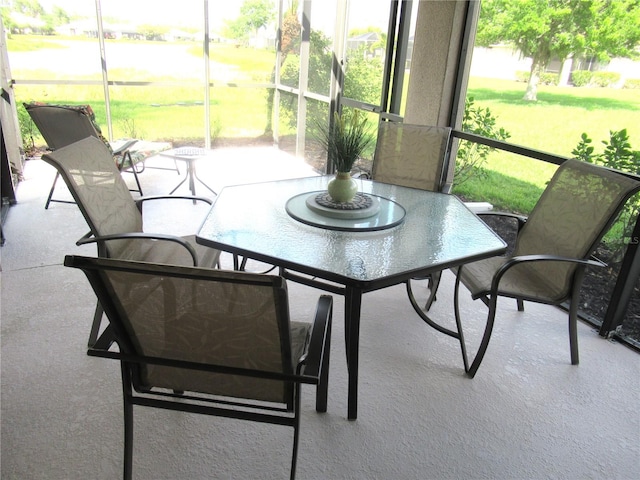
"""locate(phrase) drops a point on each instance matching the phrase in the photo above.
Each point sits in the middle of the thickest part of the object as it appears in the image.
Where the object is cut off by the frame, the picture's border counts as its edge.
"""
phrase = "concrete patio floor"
(528, 413)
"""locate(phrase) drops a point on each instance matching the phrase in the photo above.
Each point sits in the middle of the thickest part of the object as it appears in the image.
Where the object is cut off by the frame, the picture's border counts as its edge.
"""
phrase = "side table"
(189, 155)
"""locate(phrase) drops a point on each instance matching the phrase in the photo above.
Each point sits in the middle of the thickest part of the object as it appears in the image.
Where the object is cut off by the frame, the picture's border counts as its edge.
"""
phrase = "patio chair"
(553, 248)
(61, 125)
(413, 156)
(208, 341)
(115, 219)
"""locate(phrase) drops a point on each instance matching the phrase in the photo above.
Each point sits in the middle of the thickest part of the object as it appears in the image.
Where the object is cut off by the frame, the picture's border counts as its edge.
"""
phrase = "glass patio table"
(413, 233)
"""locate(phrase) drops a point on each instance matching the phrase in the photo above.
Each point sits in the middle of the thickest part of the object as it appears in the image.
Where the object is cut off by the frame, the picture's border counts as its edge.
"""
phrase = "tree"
(60, 17)
(254, 14)
(31, 8)
(543, 29)
(153, 32)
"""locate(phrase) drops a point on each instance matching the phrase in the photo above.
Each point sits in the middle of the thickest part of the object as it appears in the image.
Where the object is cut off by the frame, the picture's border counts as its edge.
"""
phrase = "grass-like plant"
(345, 139)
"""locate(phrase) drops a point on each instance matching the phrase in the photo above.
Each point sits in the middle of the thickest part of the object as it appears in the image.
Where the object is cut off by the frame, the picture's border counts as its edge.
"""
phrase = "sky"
(183, 12)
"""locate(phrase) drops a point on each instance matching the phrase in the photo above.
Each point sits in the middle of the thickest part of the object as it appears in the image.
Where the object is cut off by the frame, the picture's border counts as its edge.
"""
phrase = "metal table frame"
(439, 232)
(188, 155)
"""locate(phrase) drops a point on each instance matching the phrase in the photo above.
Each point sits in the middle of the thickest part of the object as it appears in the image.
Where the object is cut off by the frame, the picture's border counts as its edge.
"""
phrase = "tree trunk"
(531, 95)
(537, 67)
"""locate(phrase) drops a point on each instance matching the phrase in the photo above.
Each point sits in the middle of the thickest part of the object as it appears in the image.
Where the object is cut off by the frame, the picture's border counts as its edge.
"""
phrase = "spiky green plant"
(345, 139)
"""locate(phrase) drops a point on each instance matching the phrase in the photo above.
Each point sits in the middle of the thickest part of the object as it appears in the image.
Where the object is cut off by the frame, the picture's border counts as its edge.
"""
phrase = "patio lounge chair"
(208, 341)
(553, 248)
(413, 156)
(115, 219)
(61, 125)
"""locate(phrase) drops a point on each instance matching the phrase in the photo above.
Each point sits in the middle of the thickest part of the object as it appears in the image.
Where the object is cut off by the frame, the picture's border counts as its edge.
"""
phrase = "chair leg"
(520, 304)
(456, 313)
(573, 333)
(53, 187)
(322, 390)
(482, 349)
(296, 432)
(573, 316)
(128, 424)
(127, 156)
(95, 326)
(434, 283)
(484, 343)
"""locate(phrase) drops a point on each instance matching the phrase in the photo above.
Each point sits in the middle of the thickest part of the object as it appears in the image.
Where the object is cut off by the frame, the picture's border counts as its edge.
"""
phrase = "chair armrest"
(102, 349)
(120, 147)
(173, 197)
(512, 262)
(313, 360)
(522, 219)
(145, 236)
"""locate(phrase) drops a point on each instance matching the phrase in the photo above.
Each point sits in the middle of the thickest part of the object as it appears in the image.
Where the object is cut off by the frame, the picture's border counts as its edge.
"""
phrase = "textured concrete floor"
(528, 414)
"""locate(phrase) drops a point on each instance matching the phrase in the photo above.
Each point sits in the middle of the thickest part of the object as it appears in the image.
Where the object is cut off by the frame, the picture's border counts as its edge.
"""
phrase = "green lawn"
(554, 123)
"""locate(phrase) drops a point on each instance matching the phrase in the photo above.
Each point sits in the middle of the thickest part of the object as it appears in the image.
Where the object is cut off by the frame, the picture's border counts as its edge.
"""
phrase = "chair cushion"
(143, 149)
(521, 281)
(220, 384)
(165, 252)
(85, 110)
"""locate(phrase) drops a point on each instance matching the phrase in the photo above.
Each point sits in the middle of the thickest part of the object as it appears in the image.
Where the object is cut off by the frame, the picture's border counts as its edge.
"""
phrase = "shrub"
(632, 83)
(547, 78)
(471, 156)
(28, 130)
(605, 79)
(617, 154)
(581, 78)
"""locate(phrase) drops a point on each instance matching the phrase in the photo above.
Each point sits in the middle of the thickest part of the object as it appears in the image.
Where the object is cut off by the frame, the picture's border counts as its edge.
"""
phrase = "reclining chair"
(61, 125)
(115, 220)
(208, 341)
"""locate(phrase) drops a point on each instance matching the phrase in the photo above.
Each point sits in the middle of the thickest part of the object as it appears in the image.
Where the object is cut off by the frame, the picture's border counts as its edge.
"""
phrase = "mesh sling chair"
(61, 125)
(115, 219)
(413, 156)
(553, 248)
(208, 341)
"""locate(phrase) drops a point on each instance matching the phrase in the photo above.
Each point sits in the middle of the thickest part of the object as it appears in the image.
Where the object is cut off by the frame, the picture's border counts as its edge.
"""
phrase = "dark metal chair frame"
(78, 125)
(437, 162)
(490, 297)
(58, 160)
(313, 367)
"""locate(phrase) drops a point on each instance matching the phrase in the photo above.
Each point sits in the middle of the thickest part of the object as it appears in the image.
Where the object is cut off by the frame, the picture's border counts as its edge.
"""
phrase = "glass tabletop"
(438, 231)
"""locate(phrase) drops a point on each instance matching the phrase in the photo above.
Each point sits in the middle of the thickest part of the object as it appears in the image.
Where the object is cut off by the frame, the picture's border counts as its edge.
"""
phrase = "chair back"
(213, 317)
(575, 211)
(412, 155)
(96, 185)
(62, 125)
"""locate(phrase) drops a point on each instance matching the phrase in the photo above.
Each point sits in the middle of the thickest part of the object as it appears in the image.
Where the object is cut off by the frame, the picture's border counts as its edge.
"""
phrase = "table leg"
(183, 180)
(352, 307)
(207, 186)
(191, 172)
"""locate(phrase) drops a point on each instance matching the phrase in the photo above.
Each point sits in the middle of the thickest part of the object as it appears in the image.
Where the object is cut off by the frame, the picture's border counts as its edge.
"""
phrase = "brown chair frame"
(312, 367)
(625, 185)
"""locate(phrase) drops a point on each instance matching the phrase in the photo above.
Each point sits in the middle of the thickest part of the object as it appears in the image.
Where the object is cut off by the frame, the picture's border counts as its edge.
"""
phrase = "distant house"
(177, 35)
(365, 39)
(89, 28)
